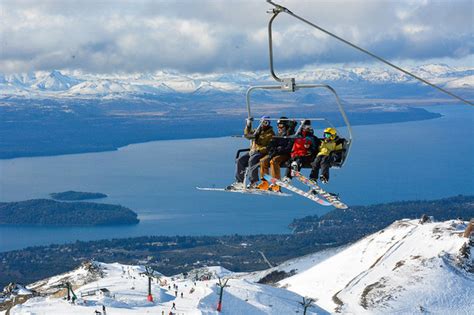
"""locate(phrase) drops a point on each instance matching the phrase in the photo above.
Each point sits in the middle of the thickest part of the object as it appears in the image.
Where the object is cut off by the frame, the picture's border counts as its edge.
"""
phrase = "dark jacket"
(280, 146)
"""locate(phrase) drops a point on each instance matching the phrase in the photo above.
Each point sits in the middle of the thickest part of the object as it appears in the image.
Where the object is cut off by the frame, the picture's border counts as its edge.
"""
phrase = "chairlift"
(339, 157)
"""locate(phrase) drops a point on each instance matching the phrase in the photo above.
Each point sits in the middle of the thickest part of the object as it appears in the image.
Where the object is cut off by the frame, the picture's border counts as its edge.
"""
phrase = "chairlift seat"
(338, 157)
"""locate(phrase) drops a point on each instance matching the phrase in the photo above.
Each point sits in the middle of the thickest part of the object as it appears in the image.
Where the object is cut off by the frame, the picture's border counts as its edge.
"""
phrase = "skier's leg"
(254, 160)
(299, 163)
(241, 165)
(325, 165)
(275, 165)
(315, 166)
(288, 169)
(264, 166)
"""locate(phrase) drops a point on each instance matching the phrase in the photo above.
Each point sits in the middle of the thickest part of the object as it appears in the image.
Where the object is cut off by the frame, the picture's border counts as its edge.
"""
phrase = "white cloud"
(413, 29)
(209, 35)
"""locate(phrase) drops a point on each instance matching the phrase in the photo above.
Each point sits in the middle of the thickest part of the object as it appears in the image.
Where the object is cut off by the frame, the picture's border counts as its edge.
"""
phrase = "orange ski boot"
(263, 185)
(275, 188)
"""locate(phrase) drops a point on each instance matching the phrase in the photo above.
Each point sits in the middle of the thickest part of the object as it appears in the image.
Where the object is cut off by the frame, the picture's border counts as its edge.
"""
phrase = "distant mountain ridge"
(67, 84)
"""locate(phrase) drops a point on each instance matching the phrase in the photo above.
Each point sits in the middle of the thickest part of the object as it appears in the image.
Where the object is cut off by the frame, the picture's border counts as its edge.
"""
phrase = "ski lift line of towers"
(152, 274)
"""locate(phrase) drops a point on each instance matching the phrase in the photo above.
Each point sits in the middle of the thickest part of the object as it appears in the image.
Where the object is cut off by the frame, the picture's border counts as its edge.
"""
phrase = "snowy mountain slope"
(128, 294)
(293, 266)
(404, 268)
(462, 83)
(67, 84)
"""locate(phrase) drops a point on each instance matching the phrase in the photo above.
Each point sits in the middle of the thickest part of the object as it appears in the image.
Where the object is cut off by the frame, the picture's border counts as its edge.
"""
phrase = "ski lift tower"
(150, 273)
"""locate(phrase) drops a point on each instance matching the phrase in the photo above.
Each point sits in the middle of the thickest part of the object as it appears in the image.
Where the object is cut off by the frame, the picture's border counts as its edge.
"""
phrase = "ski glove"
(248, 121)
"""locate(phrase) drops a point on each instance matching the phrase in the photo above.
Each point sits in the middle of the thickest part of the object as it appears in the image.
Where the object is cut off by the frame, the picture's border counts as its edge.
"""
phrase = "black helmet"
(283, 121)
(292, 126)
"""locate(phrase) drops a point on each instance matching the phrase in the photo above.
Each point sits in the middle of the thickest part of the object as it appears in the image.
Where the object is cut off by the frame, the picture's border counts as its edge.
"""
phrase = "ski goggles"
(327, 135)
(265, 123)
(281, 126)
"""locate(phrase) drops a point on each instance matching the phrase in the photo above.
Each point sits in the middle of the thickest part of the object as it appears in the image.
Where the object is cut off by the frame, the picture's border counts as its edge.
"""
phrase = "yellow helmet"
(330, 133)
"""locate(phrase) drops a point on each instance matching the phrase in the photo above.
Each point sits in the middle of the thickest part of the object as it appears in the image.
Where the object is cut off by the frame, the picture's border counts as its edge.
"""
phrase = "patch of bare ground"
(8, 305)
(398, 264)
(338, 301)
(375, 294)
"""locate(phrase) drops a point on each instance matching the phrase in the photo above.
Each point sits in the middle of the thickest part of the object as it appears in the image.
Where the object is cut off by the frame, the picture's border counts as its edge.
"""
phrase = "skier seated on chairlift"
(323, 159)
(261, 138)
(278, 153)
(303, 149)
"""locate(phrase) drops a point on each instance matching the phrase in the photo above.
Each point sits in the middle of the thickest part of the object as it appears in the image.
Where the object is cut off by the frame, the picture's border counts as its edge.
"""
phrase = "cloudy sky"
(204, 36)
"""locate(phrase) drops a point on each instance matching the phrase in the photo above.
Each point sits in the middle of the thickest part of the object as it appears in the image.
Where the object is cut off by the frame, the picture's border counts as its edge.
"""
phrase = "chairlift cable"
(280, 8)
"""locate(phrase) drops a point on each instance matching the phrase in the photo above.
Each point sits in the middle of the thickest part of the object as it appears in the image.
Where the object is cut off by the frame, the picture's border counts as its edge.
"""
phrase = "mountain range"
(75, 84)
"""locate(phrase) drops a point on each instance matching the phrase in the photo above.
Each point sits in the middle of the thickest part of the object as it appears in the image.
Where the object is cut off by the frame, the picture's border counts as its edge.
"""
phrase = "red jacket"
(301, 147)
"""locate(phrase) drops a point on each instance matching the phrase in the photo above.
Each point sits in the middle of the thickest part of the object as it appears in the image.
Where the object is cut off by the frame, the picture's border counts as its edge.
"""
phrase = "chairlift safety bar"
(304, 86)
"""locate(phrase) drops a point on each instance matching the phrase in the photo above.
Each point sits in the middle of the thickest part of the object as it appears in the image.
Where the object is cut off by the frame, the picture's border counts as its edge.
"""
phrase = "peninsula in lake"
(51, 212)
(71, 195)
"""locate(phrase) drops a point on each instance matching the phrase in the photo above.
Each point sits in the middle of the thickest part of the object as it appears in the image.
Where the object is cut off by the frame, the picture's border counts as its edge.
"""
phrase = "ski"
(247, 191)
(296, 190)
(331, 198)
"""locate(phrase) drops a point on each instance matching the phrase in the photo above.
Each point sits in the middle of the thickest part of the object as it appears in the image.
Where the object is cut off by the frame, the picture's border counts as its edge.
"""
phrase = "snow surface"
(129, 291)
(406, 268)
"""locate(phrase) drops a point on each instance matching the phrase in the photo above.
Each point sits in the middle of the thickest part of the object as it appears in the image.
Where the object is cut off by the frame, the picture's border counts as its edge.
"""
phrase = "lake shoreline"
(111, 147)
(48, 213)
(159, 180)
(174, 254)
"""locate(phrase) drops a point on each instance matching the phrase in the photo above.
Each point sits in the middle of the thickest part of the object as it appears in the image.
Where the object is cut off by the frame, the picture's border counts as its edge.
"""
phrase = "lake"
(427, 159)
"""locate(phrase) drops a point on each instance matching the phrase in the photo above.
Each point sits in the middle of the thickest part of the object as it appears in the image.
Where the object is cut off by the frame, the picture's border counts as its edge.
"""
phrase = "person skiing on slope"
(261, 138)
(279, 152)
(322, 160)
(302, 150)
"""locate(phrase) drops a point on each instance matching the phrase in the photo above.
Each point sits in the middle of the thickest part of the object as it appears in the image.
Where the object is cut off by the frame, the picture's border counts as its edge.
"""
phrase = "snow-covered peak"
(435, 69)
(55, 81)
(405, 268)
(207, 87)
(462, 83)
(18, 79)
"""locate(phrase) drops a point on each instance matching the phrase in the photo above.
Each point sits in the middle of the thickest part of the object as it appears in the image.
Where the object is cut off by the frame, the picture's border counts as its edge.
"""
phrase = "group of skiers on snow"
(295, 148)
